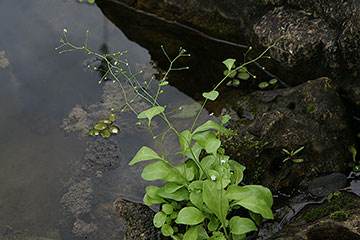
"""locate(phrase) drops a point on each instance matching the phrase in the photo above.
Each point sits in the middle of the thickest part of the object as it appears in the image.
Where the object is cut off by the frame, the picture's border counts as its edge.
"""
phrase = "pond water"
(39, 88)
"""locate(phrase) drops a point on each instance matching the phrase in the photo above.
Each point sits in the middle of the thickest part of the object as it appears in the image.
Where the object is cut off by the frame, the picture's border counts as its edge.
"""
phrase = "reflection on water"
(39, 88)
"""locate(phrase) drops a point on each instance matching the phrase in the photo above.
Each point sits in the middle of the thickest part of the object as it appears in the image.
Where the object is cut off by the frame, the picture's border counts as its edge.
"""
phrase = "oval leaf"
(191, 233)
(211, 95)
(243, 75)
(151, 112)
(190, 216)
(239, 225)
(159, 219)
(263, 85)
(144, 154)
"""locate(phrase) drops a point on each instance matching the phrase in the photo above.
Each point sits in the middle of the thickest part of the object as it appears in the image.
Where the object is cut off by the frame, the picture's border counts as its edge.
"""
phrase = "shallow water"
(38, 90)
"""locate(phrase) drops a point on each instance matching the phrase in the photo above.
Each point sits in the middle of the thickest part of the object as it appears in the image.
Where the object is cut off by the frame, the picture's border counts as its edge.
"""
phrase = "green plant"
(201, 196)
(291, 155)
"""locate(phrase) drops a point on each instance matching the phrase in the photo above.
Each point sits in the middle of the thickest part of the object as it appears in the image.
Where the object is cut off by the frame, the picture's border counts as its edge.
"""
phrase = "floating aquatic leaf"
(232, 73)
(94, 132)
(100, 126)
(263, 85)
(112, 117)
(243, 75)
(106, 121)
(105, 133)
(114, 129)
(273, 81)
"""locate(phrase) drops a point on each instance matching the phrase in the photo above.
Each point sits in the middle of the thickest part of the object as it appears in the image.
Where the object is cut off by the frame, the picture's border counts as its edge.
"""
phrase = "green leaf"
(179, 195)
(144, 154)
(151, 112)
(151, 201)
(190, 216)
(232, 73)
(298, 160)
(273, 81)
(239, 193)
(94, 132)
(196, 199)
(158, 170)
(353, 152)
(213, 223)
(167, 230)
(256, 217)
(238, 237)
(215, 199)
(237, 175)
(213, 125)
(207, 162)
(114, 129)
(229, 63)
(239, 225)
(298, 150)
(159, 219)
(185, 139)
(212, 145)
(256, 205)
(105, 133)
(167, 209)
(233, 164)
(196, 150)
(191, 233)
(243, 75)
(100, 126)
(201, 138)
(196, 185)
(225, 119)
(263, 85)
(202, 234)
(211, 95)
(112, 117)
(170, 187)
(152, 191)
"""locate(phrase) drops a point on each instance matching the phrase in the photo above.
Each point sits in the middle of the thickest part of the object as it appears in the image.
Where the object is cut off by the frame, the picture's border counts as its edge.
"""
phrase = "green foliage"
(202, 192)
(104, 127)
(291, 155)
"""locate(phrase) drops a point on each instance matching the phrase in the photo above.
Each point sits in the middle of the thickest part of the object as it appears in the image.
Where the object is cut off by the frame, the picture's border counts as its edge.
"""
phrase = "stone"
(323, 186)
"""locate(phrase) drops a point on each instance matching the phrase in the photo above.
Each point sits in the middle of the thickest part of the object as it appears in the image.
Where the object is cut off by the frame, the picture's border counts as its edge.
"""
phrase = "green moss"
(339, 216)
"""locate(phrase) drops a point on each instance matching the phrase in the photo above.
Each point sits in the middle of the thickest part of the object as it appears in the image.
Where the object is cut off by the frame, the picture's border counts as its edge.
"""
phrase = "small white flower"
(65, 30)
(213, 178)
(291, 52)
(211, 114)
(223, 161)
(115, 63)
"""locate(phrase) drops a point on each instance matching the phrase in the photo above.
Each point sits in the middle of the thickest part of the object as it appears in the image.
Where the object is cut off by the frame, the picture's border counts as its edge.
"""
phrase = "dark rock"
(321, 35)
(310, 115)
(323, 186)
(138, 220)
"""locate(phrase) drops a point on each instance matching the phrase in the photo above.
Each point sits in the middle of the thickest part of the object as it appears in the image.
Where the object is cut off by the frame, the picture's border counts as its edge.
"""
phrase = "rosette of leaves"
(199, 196)
(104, 127)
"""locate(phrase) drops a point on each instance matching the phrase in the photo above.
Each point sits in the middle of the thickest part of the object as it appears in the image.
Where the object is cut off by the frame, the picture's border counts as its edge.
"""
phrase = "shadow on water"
(207, 53)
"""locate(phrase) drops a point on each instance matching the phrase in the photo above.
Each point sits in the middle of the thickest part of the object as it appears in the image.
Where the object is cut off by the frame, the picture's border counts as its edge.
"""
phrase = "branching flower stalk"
(199, 194)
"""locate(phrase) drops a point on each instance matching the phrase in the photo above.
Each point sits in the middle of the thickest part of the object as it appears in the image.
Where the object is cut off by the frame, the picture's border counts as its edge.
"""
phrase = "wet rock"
(83, 229)
(323, 186)
(321, 35)
(310, 115)
(138, 220)
(326, 223)
(78, 198)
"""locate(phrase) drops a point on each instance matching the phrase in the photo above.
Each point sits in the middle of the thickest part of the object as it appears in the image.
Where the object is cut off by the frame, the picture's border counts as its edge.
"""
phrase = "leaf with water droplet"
(105, 133)
(211, 95)
(100, 126)
(105, 121)
(112, 117)
(263, 85)
(94, 132)
(114, 129)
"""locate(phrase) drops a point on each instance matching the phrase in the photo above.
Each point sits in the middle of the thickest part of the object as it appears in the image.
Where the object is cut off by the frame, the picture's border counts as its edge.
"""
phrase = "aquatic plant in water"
(200, 198)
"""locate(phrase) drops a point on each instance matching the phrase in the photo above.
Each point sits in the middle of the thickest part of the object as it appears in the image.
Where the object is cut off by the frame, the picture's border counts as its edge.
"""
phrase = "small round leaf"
(105, 133)
(94, 132)
(273, 81)
(100, 126)
(263, 85)
(243, 75)
(114, 130)
(112, 117)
